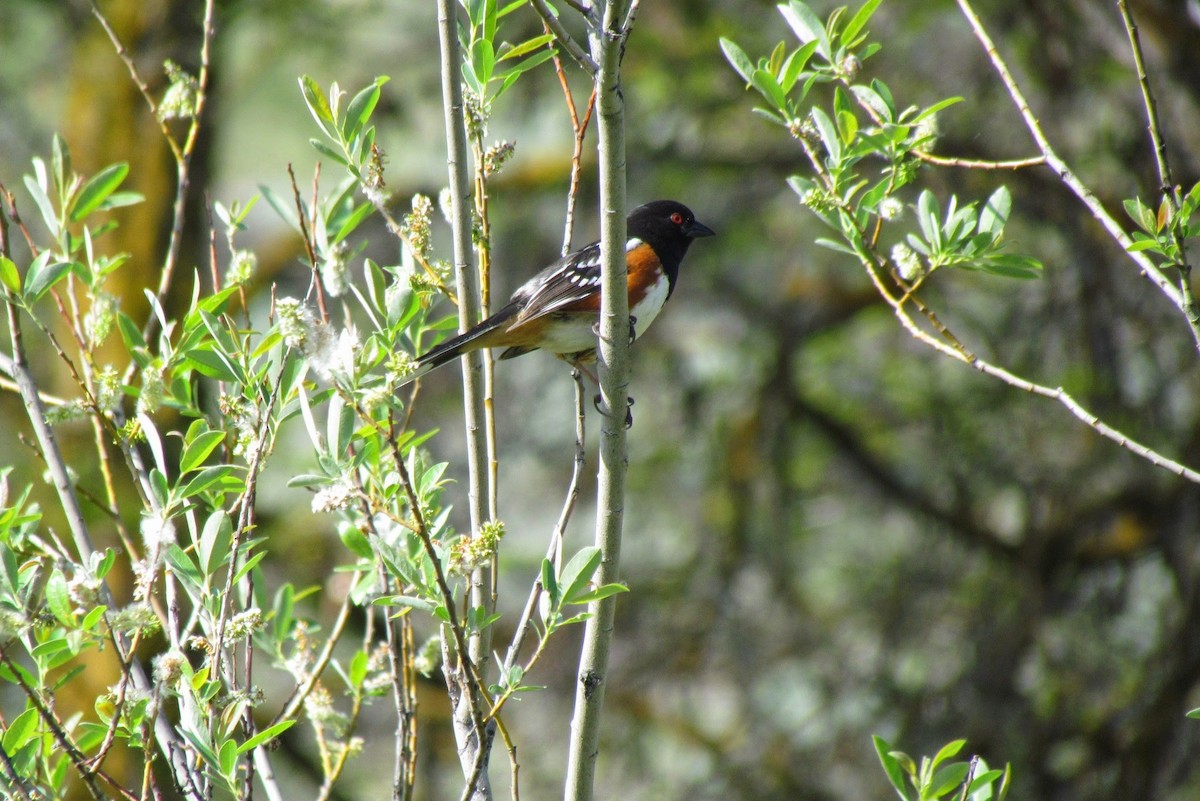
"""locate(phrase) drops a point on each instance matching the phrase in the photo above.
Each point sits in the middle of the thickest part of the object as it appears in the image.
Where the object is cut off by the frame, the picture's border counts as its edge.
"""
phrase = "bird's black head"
(669, 228)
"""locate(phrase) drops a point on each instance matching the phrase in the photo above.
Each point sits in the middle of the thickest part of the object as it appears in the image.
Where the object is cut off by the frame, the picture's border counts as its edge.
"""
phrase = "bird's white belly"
(570, 334)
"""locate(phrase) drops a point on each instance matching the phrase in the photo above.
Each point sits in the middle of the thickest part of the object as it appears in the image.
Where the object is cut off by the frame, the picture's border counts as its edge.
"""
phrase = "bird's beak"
(697, 228)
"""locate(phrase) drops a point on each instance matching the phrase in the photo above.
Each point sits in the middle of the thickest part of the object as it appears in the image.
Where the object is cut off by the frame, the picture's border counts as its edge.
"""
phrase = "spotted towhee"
(557, 310)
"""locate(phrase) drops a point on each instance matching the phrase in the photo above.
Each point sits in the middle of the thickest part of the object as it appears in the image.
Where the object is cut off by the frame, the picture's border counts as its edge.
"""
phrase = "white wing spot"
(632, 244)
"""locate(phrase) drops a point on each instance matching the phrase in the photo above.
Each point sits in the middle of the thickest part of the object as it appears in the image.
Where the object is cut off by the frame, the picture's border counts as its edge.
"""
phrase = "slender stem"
(468, 728)
(554, 551)
(579, 127)
(980, 164)
(608, 44)
(309, 248)
(1170, 192)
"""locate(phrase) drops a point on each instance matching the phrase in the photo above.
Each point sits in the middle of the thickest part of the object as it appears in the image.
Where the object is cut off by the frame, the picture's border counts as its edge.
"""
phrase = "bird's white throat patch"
(651, 304)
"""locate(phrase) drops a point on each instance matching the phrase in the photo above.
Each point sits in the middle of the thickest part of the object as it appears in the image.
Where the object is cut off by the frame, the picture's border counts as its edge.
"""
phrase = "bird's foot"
(598, 402)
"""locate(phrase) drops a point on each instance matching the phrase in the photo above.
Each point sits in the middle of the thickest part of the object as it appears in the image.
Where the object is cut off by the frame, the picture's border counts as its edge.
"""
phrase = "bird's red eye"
(677, 218)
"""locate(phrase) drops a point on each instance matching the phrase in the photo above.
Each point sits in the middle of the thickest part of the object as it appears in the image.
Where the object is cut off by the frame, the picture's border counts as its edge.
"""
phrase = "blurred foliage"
(832, 532)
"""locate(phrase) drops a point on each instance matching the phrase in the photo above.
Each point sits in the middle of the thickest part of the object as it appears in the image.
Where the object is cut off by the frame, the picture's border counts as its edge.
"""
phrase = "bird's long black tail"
(465, 342)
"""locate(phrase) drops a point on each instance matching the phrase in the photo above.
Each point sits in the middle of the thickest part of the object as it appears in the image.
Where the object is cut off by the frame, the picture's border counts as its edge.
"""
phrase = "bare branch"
(980, 164)
(1068, 177)
(564, 38)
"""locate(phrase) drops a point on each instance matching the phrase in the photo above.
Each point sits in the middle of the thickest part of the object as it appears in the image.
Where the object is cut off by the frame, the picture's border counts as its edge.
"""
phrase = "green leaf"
(927, 217)
(358, 669)
(228, 760)
(994, 214)
(43, 275)
(106, 562)
(483, 60)
(352, 221)
(60, 163)
(212, 365)
(806, 25)
(833, 244)
(885, 94)
(510, 74)
(361, 108)
(598, 594)
(159, 486)
(266, 734)
(284, 209)
(215, 540)
(795, 64)
(410, 601)
(948, 751)
(529, 45)
(769, 88)
(828, 134)
(947, 779)
(183, 566)
(42, 200)
(58, 598)
(1141, 214)
(579, 571)
(737, 58)
(980, 788)
(328, 152)
(1011, 265)
(97, 189)
(206, 478)
(891, 766)
(21, 730)
(318, 105)
(10, 277)
(769, 116)
(250, 564)
(801, 185)
(936, 107)
(199, 449)
(93, 617)
(857, 22)
(118, 199)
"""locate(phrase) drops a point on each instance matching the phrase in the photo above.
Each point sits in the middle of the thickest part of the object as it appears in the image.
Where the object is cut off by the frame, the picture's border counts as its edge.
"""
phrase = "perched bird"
(557, 310)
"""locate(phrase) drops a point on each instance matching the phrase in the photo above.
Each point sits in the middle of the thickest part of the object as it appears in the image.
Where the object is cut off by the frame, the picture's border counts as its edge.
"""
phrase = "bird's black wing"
(573, 278)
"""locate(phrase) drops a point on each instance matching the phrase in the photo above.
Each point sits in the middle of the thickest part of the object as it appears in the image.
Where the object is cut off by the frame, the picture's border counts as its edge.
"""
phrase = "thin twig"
(980, 164)
(309, 247)
(1170, 192)
(554, 551)
(563, 37)
(1067, 176)
(579, 128)
(143, 87)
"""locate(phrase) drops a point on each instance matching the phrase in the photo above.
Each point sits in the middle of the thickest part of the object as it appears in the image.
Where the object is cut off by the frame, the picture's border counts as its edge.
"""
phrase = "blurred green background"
(831, 531)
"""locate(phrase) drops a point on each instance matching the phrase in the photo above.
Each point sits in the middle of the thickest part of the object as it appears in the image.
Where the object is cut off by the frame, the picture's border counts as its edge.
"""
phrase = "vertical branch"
(580, 130)
(607, 45)
(1171, 192)
(470, 745)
